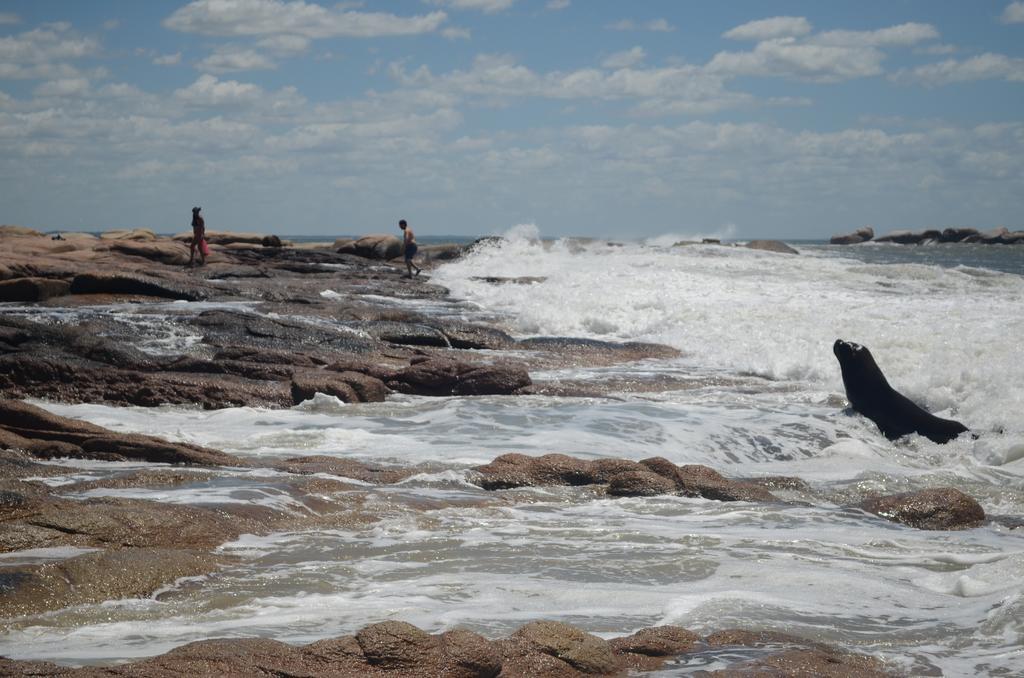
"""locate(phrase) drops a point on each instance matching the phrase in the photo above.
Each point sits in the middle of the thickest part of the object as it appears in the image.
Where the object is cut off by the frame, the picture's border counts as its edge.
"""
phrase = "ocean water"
(763, 396)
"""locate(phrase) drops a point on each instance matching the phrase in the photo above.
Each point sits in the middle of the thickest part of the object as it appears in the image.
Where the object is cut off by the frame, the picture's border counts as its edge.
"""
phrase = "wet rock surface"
(941, 508)
(543, 649)
(265, 351)
(624, 478)
(37, 432)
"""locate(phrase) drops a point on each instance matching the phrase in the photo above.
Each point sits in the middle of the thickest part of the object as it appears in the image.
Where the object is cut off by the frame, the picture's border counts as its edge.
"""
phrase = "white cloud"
(488, 6)
(496, 79)
(66, 88)
(787, 57)
(654, 25)
(285, 45)
(937, 49)
(207, 90)
(767, 29)
(228, 59)
(455, 33)
(38, 53)
(555, 5)
(901, 35)
(8, 18)
(167, 59)
(111, 24)
(626, 59)
(986, 66)
(1013, 14)
(274, 17)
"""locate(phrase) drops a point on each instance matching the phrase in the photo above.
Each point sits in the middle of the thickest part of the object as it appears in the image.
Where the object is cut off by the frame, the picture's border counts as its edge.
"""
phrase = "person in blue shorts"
(409, 246)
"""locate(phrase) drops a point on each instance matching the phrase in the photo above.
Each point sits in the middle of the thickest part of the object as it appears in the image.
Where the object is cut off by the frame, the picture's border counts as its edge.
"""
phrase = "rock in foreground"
(542, 649)
(941, 508)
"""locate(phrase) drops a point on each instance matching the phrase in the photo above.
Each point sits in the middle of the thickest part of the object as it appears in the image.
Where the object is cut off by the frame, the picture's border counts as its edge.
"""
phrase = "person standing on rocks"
(409, 245)
(198, 238)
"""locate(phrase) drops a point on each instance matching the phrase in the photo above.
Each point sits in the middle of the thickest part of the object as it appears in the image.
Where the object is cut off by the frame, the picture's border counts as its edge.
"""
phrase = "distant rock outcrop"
(860, 235)
(373, 246)
(771, 246)
(957, 234)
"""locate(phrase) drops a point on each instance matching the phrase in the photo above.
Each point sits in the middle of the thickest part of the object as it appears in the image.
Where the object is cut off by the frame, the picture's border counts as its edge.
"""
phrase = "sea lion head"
(861, 373)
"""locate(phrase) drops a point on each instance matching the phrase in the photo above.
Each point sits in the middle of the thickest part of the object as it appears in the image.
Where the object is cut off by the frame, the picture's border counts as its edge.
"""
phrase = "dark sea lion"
(870, 394)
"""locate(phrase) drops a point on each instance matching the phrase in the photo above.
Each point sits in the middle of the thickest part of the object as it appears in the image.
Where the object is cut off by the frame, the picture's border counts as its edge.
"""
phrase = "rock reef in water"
(539, 649)
(624, 478)
(953, 234)
(941, 508)
(863, 234)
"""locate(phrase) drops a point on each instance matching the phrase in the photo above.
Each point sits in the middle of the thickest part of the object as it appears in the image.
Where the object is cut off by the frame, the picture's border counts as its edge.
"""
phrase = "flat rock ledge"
(44, 435)
(541, 649)
(623, 478)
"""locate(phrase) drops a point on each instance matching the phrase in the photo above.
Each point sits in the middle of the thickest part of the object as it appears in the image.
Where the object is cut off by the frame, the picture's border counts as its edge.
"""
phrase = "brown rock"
(346, 468)
(131, 284)
(465, 654)
(337, 656)
(111, 522)
(397, 645)
(444, 377)
(95, 577)
(307, 386)
(520, 470)
(584, 652)
(804, 663)
(696, 480)
(603, 470)
(166, 252)
(143, 234)
(235, 657)
(52, 435)
(18, 231)
(943, 508)
(10, 667)
(32, 289)
(370, 389)
(656, 641)
(374, 246)
(639, 484)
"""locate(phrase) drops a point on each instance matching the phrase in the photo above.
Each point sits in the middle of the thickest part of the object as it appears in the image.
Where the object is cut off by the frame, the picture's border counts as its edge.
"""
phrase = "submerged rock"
(648, 477)
(943, 508)
(95, 577)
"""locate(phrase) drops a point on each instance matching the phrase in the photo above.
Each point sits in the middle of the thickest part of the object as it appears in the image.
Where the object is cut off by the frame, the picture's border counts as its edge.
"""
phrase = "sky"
(741, 119)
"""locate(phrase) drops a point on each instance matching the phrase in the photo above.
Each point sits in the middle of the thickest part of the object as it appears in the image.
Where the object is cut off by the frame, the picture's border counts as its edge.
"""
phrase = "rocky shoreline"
(269, 337)
(931, 236)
